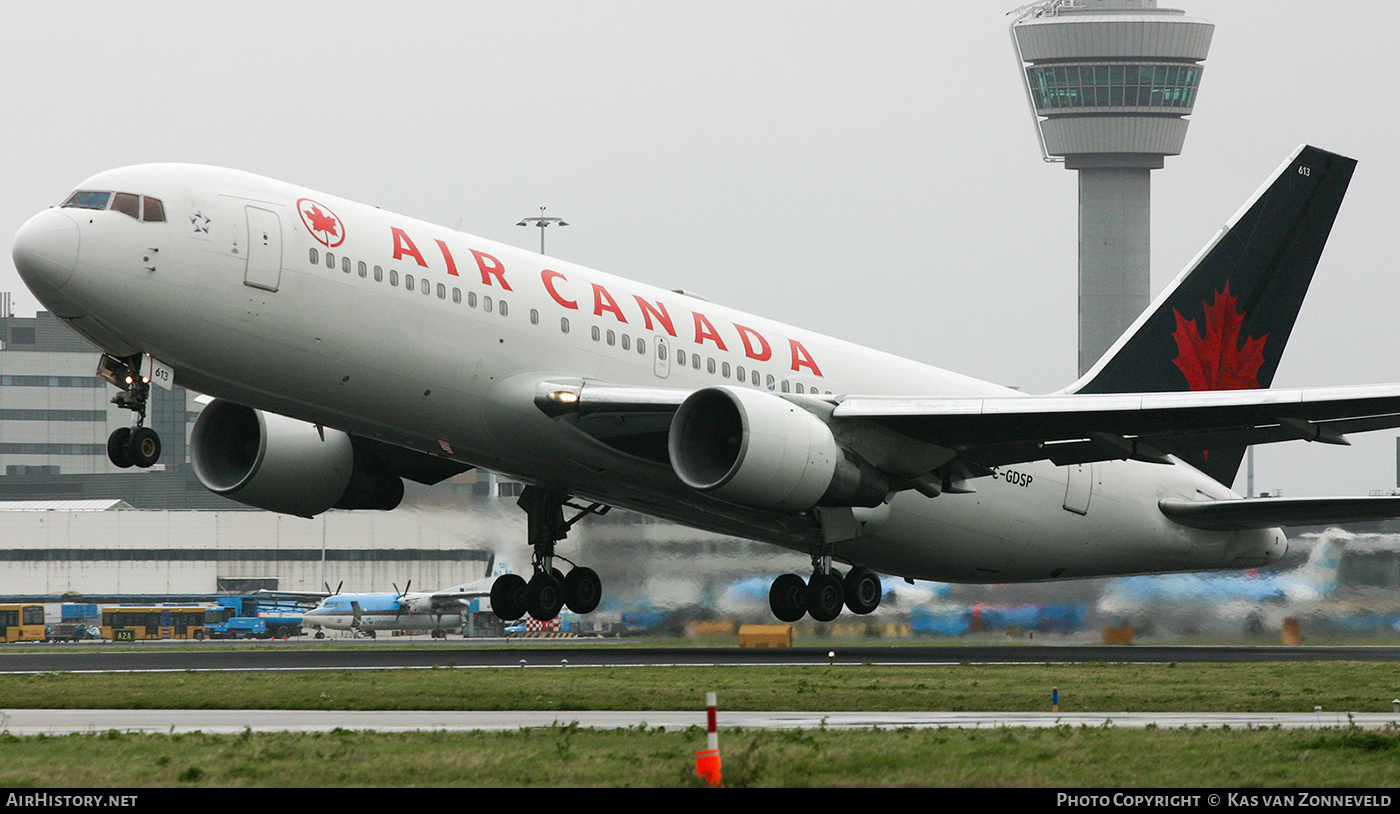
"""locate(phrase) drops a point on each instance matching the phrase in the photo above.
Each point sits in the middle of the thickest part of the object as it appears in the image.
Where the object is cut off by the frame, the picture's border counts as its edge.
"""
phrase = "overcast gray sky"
(867, 170)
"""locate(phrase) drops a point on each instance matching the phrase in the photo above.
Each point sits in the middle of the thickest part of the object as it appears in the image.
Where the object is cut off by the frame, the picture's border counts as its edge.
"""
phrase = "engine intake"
(761, 450)
(276, 463)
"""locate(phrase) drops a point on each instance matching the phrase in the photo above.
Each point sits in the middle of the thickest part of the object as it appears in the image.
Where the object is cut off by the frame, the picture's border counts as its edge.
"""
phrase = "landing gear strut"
(130, 446)
(548, 591)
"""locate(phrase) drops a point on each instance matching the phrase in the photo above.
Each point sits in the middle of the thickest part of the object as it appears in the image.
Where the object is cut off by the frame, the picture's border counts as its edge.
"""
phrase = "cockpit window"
(154, 210)
(127, 204)
(87, 199)
(140, 207)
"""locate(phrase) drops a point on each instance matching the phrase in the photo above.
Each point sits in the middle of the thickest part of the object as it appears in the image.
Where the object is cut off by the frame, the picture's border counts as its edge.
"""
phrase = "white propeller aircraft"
(347, 348)
(409, 611)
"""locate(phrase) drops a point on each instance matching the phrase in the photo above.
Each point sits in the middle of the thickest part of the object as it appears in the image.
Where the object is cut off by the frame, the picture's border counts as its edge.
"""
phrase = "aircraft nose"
(46, 251)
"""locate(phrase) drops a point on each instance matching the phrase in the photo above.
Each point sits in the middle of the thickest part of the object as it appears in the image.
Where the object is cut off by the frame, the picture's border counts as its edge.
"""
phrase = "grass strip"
(568, 756)
(1254, 687)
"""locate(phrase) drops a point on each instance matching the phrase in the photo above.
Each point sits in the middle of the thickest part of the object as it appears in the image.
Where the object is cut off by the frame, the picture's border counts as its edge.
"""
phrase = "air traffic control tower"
(1110, 83)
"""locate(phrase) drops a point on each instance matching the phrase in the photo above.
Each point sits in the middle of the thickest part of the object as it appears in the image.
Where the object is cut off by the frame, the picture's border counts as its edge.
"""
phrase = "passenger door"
(264, 249)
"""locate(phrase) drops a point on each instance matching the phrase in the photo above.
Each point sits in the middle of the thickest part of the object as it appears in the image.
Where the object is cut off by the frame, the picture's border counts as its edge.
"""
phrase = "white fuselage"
(341, 617)
(297, 302)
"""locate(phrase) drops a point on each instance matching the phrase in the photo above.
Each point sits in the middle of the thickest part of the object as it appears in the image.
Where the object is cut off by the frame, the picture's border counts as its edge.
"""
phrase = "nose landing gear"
(130, 446)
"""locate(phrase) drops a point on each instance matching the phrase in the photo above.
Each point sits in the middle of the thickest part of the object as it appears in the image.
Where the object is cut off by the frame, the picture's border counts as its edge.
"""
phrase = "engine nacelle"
(761, 450)
(276, 463)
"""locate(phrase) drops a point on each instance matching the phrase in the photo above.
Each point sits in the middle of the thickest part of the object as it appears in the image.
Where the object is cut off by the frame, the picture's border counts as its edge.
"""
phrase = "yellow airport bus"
(128, 623)
(22, 623)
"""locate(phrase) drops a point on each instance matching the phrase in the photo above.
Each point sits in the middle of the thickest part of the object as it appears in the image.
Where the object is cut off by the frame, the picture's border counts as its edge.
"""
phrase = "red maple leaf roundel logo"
(1215, 360)
(321, 222)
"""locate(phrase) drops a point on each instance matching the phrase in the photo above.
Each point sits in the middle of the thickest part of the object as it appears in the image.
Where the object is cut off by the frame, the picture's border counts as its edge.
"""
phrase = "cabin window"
(408, 282)
(364, 269)
(330, 260)
(152, 210)
(534, 317)
(315, 256)
(680, 355)
(501, 308)
(345, 265)
(597, 334)
(471, 299)
(626, 342)
(394, 278)
(739, 373)
(710, 364)
(770, 380)
(379, 274)
(486, 304)
(612, 338)
(442, 291)
(127, 204)
(757, 380)
(642, 348)
(724, 370)
(800, 388)
(695, 361)
(785, 385)
(564, 325)
(457, 295)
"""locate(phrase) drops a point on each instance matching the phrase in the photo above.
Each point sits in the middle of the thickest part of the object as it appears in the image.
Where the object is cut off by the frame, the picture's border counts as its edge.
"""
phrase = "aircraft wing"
(444, 599)
(1064, 429)
(316, 595)
(1070, 429)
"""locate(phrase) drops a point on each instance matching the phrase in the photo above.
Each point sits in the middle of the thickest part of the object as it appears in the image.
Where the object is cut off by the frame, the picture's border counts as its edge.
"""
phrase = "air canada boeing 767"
(347, 348)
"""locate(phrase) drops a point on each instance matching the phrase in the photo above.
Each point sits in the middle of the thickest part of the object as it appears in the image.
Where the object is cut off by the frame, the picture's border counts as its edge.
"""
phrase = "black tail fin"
(1223, 323)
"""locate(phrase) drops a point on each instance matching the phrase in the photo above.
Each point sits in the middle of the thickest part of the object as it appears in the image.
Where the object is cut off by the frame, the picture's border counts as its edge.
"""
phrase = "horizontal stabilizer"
(1268, 512)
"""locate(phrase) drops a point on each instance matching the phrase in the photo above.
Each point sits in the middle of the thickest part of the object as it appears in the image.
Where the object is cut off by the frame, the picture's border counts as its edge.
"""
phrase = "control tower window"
(1058, 87)
(88, 199)
(127, 204)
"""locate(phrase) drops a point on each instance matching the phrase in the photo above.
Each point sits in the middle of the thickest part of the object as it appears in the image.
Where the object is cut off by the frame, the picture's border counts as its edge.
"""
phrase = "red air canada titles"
(654, 316)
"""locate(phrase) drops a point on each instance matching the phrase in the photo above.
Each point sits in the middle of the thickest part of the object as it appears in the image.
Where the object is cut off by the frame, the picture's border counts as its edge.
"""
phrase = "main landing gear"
(130, 446)
(823, 595)
(548, 591)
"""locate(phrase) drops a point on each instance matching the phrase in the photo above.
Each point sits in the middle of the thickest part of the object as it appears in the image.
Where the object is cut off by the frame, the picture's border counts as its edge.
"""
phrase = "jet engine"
(276, 463)
(759, 449)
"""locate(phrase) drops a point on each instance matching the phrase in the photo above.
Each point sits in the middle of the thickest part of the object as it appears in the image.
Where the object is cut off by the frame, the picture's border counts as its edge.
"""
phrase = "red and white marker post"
(707, 763)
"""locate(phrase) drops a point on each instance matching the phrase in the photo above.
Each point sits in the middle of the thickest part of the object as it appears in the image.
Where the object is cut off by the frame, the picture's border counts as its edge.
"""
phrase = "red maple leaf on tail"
(1215, 360)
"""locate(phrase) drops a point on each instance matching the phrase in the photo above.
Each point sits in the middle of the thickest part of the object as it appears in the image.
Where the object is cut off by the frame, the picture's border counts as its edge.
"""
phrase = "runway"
(280, 655)
(21, 722)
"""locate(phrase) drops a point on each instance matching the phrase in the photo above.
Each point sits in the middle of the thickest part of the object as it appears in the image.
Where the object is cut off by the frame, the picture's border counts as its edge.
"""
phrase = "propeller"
(398, 601)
